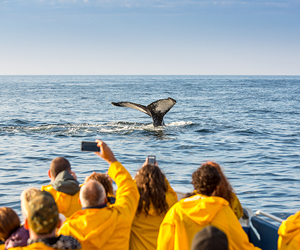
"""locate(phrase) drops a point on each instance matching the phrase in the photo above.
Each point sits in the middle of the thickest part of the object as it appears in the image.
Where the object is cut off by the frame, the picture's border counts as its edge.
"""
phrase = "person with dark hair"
(225, 191)
(99, 225)
(9, 223)
(190, 215)
(156, 197)
(64, 186)
(210, 238)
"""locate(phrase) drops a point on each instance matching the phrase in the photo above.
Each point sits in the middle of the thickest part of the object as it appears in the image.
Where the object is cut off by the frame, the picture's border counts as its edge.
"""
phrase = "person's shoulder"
(292, 223)
(80, 215)
(34, 246)
(18, 238)
(192, 199)
(294, 217)
(47, 188)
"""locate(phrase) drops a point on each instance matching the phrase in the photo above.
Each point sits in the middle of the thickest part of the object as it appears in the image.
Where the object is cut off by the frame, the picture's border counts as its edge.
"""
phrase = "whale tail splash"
(156, 110)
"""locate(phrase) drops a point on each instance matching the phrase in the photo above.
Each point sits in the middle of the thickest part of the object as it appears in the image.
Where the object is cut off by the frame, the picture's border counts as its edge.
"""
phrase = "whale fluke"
(156, 110)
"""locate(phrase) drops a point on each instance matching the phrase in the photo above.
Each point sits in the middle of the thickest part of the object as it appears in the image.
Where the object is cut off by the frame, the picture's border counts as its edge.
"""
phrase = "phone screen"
(151, 159)
(89, 146)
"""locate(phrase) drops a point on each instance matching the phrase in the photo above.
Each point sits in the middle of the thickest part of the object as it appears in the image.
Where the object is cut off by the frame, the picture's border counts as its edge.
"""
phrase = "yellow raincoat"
(190, 215)
(34, 246)
(144, 230)
(236, 205)
(66, 204)
(289, 233)
(109, 227)
(2, 246)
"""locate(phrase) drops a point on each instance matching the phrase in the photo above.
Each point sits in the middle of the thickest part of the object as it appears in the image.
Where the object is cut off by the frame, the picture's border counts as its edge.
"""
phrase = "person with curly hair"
(225, 190)
(190, 215)
(156, 197)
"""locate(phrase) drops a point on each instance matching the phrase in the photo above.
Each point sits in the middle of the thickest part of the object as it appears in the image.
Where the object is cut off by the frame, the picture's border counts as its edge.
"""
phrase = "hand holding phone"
(151, 159)
(89, 146)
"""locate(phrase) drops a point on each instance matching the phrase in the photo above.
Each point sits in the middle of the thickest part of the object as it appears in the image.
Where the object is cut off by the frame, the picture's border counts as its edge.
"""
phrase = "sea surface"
(247, 124)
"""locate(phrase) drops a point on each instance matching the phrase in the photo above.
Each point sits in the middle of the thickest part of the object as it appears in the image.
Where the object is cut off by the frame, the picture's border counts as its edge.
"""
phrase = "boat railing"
(273, 217)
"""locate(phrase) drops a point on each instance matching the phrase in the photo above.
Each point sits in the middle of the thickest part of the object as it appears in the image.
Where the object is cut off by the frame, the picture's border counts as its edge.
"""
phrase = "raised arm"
(127, 194)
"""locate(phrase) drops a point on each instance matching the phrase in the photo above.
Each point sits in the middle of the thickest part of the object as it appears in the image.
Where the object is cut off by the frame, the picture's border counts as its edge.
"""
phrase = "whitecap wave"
(71, 129)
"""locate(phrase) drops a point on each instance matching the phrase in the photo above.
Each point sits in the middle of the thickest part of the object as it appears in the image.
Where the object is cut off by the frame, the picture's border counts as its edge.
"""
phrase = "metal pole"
(258, 212)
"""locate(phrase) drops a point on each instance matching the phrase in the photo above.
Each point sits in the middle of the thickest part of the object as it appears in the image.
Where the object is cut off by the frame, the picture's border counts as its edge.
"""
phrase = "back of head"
(26, 196)
(206, 179)
(92, 194)
(104, 180)
(224, 189)
(210, 238)
(152, 187)
(42, 214)
(58, 165)
(9, 222)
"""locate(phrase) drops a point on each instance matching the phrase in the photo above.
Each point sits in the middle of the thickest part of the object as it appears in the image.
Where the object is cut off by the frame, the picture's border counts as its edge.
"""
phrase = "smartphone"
(151, 159)
(89, 146)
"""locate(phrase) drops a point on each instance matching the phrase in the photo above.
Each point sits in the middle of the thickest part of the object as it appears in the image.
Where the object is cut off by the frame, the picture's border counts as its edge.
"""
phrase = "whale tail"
(156, 110)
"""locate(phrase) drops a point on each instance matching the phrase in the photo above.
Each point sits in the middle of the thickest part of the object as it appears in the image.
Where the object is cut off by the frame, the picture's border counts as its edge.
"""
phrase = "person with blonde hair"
(26, 196)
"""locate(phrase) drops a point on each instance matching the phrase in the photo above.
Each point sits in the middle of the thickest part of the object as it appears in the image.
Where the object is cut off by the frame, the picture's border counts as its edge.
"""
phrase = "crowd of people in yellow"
(143, 214)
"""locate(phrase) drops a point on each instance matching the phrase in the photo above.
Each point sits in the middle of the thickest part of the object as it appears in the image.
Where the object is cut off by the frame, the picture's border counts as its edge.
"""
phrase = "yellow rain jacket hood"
(93, 226)
(235, 205)
(65, 191)
(145, 228)
(190, 215)
(289, 233)
(107, 227)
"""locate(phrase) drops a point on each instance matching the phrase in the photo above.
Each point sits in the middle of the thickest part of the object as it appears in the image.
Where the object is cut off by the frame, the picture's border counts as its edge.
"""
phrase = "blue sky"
(168, 37)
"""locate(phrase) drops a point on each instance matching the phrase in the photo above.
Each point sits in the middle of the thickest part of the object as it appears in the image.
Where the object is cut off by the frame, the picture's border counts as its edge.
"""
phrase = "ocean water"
(248, 124)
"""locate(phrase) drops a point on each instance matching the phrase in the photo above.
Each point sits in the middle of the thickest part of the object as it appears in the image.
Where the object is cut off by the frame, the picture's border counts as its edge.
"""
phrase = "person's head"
(58, 165)
(42, 218)
(92, 193)
(9, 222)
(26, 196)
(224, 189)
(152, 186)
(210, 238)
(104, 179)
(206, 179)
